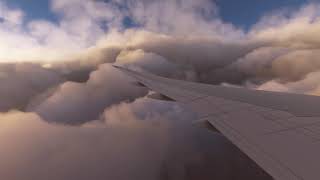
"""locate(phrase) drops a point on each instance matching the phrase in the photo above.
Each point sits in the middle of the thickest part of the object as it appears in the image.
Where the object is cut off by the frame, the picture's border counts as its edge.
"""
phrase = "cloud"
(161, 146)
(20, 83)
(307, 85)
(61, 73)
(181, 18)
(80, 102)
(81, 23)
(148, 61)
(292, 29)
(10, 16)
(193, 55)
(297, 64)
(57, 152)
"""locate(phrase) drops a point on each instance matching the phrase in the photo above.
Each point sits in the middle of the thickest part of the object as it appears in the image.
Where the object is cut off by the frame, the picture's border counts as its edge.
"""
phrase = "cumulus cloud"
(290, 28)
(80, 25)
(60, 72)
(33, 149)
(20, 83)
(308, 85)
(181, 18)
(149, 61)
(162, 147)
(80, 102)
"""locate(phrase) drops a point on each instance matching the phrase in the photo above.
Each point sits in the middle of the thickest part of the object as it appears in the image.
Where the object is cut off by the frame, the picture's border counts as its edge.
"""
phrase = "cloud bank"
(66, 110)
(130, 141)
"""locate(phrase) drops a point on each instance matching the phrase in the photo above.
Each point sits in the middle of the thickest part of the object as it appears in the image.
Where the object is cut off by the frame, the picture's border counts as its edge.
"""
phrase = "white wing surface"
(279, 131)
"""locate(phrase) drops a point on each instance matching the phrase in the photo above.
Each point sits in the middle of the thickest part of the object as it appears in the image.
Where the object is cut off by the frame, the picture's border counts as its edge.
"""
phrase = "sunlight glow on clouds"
(188, 35)
(54, 74)
(41, 40)
(81, 25)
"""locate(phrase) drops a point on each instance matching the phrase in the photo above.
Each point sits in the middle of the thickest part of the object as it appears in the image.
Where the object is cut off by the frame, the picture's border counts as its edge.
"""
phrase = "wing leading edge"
(279, 131)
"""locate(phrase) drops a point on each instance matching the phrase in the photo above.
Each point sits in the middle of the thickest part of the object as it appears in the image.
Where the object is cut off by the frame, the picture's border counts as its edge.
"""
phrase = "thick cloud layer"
(130, 141)
(80, 102)
(61, 74)
(20, 83)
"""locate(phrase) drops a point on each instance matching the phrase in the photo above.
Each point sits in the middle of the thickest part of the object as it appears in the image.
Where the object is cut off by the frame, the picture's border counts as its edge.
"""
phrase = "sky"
(34, 9)
(243, 14)
(248, 12)
(67, 113)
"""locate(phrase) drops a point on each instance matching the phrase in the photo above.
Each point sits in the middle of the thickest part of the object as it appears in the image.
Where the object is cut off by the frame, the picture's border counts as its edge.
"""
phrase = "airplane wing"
(279, 131)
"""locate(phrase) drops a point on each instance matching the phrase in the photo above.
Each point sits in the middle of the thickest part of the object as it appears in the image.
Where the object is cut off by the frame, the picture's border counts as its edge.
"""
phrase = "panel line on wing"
(240, 137)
